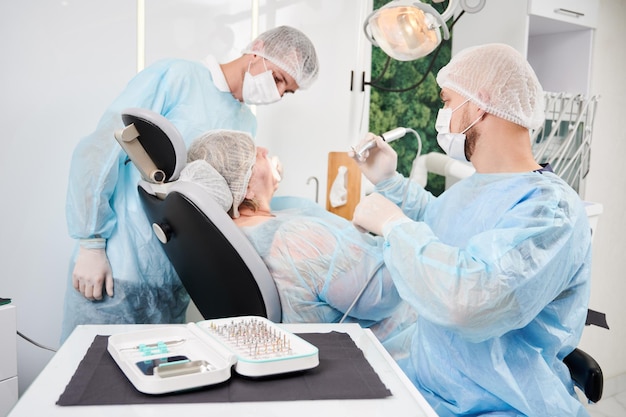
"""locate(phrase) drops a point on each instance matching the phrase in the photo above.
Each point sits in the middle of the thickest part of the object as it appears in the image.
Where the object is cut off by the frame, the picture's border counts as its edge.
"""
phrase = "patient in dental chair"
(325, 270)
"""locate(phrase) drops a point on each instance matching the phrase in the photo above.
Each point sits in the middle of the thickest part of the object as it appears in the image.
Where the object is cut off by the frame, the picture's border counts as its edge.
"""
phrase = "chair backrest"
(219, 267)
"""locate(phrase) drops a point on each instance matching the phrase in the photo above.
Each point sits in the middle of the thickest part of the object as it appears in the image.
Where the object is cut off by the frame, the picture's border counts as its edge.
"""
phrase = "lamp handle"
(449, 12)
(427, 8)
(368, 34)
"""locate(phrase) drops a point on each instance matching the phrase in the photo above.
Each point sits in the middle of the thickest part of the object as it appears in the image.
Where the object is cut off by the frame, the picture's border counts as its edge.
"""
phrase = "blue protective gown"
(498, 269)
(320, 263)
(102, 198)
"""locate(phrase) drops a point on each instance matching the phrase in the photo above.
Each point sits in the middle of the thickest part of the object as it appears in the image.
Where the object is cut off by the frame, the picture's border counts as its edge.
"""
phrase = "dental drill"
(390, 136)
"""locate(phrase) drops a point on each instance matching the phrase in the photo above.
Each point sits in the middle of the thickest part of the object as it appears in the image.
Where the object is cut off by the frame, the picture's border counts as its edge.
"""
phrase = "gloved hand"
(378, 163)
(374, 212)
(91, 272)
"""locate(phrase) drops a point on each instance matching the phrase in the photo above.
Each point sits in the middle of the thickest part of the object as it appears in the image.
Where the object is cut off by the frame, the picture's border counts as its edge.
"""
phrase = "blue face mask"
(453, 144)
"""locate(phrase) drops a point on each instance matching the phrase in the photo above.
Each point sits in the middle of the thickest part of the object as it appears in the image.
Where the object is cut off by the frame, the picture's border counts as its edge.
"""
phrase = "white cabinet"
(8, 359)
(556, 36)
(576, 12)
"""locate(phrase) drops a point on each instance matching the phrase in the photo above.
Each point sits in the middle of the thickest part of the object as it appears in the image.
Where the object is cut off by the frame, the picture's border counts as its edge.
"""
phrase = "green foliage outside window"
(416, 108)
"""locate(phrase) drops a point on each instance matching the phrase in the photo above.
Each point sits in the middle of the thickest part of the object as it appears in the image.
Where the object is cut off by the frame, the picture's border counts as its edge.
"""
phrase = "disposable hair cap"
(202, 173)
(499, 80)
(232, 154)
(289, 49)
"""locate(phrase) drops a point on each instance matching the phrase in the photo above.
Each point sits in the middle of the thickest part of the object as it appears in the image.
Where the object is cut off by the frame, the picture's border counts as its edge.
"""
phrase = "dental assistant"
(497, 266)
(118, 271)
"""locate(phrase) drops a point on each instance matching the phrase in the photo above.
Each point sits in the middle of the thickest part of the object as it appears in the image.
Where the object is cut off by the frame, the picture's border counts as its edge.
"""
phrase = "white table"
(40, 398)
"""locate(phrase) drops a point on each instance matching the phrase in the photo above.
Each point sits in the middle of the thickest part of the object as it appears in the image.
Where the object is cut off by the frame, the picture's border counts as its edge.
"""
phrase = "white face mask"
(453, 144)
(260, 88)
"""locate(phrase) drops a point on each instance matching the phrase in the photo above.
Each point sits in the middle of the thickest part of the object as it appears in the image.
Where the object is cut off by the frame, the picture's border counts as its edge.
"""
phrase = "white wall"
(303, 128)
(62, 64)
(65, 61)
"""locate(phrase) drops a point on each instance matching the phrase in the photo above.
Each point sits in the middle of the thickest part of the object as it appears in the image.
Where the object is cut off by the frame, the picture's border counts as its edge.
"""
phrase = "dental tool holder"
(182, 357)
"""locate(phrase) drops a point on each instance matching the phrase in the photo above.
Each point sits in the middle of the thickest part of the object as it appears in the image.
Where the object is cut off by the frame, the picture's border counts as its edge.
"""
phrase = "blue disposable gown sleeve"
(320, 266)
(165, 86)
(337, 265)
(500, 277)
(409, 195)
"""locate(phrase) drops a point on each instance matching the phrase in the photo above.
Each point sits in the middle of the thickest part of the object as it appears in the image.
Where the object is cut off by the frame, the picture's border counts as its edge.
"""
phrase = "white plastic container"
(181, 357)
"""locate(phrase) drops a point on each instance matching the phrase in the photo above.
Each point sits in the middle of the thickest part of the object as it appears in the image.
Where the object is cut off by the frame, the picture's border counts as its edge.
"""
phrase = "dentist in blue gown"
(498, 266)
(118, 271)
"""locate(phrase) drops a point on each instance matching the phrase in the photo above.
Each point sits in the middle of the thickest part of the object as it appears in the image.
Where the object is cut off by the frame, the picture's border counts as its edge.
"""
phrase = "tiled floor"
(614, 406)
(613, 401)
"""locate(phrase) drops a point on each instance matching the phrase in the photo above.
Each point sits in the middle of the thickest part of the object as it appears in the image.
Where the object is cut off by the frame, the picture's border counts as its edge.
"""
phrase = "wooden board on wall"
(352, 183)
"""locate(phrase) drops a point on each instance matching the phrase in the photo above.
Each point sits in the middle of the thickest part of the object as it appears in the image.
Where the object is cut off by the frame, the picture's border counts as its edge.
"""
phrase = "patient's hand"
(91, 272)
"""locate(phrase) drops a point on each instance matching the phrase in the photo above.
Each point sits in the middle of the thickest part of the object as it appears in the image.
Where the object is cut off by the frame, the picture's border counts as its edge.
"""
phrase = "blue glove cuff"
(390, 225)
(94, 243)
(390, 183)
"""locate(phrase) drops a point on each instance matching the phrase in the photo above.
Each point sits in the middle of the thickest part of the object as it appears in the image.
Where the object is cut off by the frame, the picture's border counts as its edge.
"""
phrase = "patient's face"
(262, 181)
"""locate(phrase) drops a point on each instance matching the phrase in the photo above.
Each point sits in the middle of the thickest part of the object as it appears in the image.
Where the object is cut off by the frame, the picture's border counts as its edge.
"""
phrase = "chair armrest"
(586, 373)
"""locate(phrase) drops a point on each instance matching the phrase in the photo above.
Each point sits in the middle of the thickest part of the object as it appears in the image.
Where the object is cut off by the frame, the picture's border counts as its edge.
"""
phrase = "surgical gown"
(321, 263)
(498, 269)
(102, 198)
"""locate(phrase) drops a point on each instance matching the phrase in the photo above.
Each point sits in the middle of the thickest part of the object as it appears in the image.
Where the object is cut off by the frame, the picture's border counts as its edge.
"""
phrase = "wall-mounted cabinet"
(556, 36)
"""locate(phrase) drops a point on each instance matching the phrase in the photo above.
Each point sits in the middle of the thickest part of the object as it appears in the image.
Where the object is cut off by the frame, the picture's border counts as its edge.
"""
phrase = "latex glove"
(379, 163)
(92, 272)
(374, 212)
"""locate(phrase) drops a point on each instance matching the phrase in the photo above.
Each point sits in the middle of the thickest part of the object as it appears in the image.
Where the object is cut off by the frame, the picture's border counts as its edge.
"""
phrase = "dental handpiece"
(390, 136)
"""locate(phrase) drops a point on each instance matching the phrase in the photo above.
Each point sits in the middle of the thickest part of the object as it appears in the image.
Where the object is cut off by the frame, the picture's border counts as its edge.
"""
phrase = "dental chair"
(586, 374)
(219, 268)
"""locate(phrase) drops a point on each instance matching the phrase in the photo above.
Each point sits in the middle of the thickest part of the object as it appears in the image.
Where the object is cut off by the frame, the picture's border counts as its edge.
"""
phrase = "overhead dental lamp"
(409, 29)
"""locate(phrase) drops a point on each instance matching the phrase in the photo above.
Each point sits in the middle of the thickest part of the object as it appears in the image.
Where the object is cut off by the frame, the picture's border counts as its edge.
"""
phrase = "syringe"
(390, 136)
